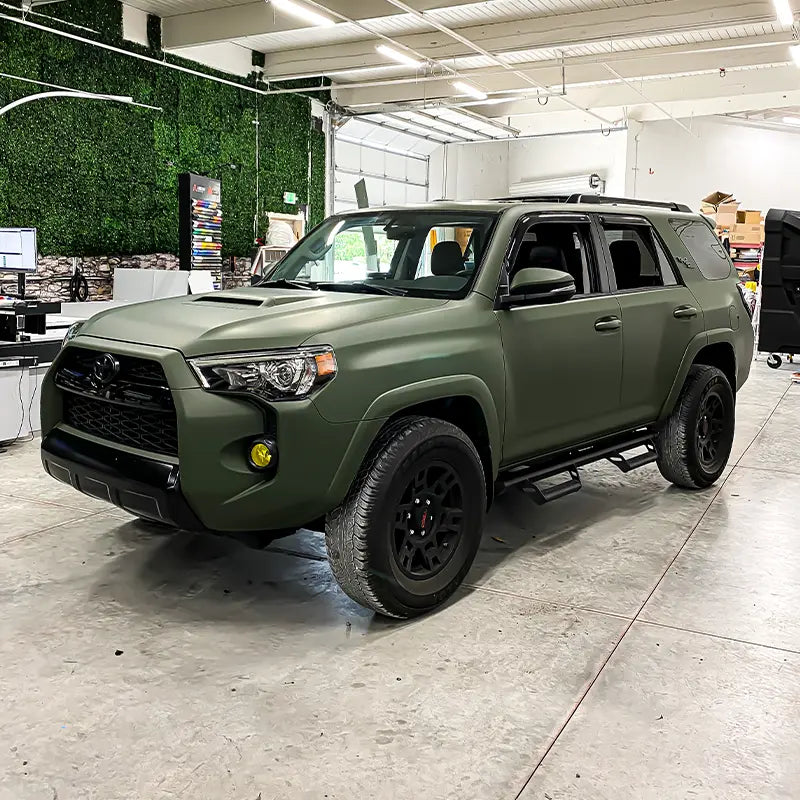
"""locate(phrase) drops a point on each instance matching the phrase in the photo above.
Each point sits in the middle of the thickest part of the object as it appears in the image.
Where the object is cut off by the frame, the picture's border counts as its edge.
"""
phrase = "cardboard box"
(746, 234)
(726, 219)
(719, 201)
(748, 217)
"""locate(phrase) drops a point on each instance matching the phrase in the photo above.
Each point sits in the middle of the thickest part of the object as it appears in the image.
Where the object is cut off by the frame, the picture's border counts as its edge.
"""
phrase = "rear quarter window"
(707, 251)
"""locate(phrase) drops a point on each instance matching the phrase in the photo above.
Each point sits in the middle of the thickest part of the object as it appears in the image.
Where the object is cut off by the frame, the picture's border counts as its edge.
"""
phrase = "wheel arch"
(715, 349)
(463, 400)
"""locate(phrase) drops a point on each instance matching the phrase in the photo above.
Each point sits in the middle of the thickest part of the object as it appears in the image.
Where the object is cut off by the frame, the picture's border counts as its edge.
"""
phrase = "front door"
(660, 316)
(564, 360)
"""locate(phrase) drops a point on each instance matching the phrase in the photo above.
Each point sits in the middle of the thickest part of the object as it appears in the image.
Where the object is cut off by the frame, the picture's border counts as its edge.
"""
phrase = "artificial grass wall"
(101, 178)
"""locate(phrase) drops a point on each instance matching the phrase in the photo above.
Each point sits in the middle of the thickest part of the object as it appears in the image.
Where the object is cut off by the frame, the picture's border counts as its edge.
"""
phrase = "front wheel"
(695, 443)
(409, 529)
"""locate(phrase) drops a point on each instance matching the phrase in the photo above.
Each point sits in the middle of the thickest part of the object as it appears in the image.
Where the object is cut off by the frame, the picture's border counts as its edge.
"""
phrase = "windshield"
(419, 253)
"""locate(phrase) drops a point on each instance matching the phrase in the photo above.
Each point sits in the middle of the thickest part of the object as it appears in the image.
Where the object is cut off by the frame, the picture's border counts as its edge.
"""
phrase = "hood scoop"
(229, 300)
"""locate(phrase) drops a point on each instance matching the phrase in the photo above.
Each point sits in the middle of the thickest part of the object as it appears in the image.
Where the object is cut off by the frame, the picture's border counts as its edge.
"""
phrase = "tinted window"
(707, 251)
(638, 257)
(564, 246)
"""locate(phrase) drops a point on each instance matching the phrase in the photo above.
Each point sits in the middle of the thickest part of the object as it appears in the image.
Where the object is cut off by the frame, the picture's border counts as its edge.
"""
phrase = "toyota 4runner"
(398, 368)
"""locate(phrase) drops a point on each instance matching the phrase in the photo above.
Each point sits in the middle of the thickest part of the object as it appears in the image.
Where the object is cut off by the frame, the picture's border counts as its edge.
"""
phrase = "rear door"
(660, 316)
(563, 360)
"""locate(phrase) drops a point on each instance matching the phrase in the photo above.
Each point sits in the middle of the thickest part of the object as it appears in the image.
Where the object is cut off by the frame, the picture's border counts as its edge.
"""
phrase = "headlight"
(72, 332)
(275, 375)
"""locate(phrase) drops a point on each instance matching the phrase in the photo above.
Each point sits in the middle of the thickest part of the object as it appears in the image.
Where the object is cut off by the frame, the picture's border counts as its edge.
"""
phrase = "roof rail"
(536, 198)
(598, 199)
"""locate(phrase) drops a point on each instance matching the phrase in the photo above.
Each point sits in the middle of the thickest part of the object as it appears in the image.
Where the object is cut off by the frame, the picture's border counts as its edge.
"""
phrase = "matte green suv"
(398, 368)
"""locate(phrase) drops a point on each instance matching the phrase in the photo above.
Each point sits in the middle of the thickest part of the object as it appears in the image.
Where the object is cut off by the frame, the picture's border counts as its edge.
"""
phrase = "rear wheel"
(407, 533)
(695, 443)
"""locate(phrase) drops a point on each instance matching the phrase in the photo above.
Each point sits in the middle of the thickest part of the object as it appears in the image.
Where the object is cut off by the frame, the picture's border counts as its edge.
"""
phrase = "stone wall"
(51, 281)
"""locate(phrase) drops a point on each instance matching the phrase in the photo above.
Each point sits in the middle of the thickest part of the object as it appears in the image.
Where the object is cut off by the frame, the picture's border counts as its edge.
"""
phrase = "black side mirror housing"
(539, 286)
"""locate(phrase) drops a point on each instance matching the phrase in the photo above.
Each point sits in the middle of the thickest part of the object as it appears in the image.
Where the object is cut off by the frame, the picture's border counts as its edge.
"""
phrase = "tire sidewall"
(419, 595)
(719, 383)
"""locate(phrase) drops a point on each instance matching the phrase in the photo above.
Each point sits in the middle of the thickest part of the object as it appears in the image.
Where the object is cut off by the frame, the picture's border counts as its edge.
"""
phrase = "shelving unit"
(200, 222)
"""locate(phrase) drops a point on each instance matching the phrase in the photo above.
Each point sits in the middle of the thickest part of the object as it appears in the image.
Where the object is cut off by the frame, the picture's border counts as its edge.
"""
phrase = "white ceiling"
(616, 59)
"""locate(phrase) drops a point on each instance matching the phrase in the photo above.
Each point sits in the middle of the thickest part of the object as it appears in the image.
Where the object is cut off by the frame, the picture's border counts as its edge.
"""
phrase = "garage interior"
(633, 640)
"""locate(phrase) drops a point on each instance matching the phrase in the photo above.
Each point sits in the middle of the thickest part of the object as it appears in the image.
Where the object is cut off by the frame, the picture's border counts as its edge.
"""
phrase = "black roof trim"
(596, 199)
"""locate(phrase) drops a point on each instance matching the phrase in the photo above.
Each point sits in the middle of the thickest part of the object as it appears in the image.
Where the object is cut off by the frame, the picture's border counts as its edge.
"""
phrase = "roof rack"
(601, 200)
(596, 199)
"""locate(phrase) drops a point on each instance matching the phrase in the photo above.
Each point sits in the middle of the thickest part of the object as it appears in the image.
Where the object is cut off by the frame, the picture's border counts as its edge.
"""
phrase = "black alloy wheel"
(711, 429)
(428, 521)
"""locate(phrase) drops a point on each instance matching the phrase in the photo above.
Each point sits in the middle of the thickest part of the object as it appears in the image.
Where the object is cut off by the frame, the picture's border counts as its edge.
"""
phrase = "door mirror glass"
(538, 285)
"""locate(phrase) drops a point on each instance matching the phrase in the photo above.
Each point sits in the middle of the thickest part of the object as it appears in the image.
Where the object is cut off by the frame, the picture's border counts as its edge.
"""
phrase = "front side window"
(704, 247)
(637, 256)
(564, 246)
(418, 253)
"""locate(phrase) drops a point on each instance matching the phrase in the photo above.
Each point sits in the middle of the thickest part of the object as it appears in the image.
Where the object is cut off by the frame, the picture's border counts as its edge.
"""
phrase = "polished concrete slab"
(632, 641)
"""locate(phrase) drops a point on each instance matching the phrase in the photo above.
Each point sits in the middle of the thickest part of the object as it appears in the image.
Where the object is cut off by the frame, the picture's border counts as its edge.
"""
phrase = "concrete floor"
(633, 641)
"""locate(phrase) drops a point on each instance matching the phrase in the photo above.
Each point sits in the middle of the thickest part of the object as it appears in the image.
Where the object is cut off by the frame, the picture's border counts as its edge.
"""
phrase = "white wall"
(478, 171)
(760, 166)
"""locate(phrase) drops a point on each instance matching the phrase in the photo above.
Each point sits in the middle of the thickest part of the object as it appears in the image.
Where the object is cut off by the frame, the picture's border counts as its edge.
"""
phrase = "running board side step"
(531, 475)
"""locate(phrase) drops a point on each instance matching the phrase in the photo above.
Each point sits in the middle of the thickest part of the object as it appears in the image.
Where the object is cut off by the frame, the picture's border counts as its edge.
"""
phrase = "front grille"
(130, 403)
(146, 430)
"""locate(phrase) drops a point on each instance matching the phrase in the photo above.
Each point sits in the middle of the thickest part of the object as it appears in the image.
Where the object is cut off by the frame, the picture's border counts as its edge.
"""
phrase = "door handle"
(608, 324)
(684, 312)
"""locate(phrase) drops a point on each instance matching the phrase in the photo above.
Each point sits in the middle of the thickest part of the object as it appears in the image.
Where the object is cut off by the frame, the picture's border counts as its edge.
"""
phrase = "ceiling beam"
(681, 96)
(561, 31)
(258, 18)
(631, 65)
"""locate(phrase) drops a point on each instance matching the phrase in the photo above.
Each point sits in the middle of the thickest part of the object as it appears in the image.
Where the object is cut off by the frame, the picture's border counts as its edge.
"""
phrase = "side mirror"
(538, 286)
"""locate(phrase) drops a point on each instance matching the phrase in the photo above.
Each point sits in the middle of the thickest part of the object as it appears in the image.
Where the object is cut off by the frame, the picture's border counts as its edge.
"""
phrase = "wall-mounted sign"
(290, 198)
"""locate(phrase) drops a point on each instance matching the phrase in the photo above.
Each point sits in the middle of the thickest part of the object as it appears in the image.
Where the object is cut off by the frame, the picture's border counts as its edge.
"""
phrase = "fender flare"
(698, 343)
(394, 401)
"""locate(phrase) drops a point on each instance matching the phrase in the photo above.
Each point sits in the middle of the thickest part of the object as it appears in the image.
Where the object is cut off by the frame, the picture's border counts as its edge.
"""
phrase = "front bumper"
(209, 485)
(142, 486)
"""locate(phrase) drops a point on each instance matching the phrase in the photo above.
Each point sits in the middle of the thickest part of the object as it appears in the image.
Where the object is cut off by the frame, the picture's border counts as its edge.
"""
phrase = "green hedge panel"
(99, 178)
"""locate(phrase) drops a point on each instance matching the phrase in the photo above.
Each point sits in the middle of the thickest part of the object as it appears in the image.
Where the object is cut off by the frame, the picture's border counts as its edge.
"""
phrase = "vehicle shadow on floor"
(191, 576)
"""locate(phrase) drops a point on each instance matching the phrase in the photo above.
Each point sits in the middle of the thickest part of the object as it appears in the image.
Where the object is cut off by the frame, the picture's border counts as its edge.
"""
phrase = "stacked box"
(723, 207)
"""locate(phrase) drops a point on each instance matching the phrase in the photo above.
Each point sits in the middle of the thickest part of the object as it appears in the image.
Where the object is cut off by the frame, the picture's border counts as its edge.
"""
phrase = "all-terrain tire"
(361, 535)
(687, 456)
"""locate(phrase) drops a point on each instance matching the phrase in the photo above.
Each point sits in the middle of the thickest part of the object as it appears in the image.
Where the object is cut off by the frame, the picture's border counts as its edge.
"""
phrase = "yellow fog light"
(263, 454)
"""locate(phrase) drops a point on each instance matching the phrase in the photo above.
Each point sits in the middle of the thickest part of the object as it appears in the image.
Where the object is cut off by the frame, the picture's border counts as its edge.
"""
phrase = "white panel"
(225, 56)
(134, 24)
(395, 193)
(395, 165)
(348, 155)
(417, 171)
(372, 160)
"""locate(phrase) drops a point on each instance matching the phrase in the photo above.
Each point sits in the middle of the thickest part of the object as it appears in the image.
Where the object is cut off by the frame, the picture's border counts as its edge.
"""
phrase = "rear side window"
(704, 247)
(637, 256)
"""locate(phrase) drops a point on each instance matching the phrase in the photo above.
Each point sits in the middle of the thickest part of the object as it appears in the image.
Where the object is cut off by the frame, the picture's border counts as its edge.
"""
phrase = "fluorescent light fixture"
(398, 56)
(791, 120)
(784, 12)
(465, 88)
(302, 12)
(795, 51)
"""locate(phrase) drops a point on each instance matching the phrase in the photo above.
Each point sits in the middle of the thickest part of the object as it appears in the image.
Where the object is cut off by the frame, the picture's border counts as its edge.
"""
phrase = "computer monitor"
(18, 250)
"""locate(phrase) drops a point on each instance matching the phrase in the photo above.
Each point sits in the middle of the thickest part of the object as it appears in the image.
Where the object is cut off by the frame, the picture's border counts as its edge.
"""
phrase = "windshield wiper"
(366, 288)
(283, 283)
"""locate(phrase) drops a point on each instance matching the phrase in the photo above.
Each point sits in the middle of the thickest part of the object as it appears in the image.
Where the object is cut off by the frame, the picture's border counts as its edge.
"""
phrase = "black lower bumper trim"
(142, 486)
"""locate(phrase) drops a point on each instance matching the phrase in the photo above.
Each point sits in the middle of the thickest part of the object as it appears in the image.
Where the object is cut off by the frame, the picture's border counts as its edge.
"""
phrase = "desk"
(22, 367)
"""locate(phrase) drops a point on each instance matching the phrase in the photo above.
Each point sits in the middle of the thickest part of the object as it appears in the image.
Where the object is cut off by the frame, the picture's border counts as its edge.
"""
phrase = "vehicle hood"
(246, 319)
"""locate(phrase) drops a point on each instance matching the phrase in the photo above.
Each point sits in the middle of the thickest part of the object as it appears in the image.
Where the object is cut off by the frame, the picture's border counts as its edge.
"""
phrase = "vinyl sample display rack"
(200, 221)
